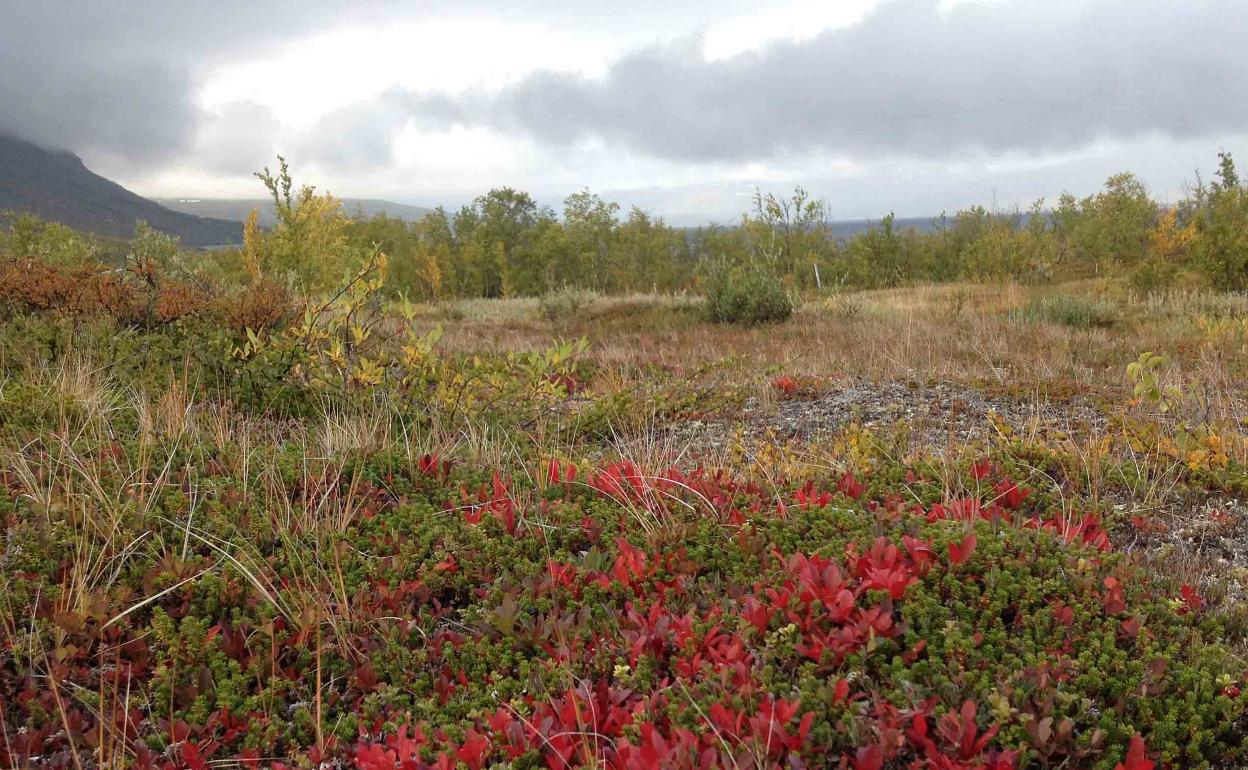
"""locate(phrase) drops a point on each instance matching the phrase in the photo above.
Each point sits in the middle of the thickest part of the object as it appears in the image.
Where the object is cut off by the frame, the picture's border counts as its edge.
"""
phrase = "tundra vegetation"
(502, 488)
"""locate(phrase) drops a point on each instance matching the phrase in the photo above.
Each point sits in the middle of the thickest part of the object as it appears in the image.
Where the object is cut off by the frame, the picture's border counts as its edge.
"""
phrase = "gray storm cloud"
(909, 79)
(119, 78)
(78, 102)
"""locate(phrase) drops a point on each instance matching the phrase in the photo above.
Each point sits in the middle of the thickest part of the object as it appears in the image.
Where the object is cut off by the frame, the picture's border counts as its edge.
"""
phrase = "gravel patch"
(931, 417)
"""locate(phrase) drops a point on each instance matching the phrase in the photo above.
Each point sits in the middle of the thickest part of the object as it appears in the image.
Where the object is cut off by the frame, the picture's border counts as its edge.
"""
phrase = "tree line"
(505, 244)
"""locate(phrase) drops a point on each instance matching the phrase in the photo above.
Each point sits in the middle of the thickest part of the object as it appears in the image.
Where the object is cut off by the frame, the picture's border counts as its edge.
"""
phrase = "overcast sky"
(682, 107)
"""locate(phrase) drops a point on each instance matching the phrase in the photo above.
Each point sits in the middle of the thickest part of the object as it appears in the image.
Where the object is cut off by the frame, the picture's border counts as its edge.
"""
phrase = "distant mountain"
(844, 230)
(55, 185)
(238, 209)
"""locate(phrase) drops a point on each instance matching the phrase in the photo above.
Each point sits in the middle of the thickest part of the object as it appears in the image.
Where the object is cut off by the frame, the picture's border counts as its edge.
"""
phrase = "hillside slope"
(55, 185)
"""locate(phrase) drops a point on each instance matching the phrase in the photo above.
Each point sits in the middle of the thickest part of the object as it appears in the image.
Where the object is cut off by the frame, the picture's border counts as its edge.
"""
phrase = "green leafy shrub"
(1222, 226)
(49, 242)
(747, 295)
(1153, 275)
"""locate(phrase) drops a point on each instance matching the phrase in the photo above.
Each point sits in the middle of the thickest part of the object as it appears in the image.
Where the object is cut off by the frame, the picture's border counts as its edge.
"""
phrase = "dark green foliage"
(1155, 275)
(747, 294)
(1222, 221)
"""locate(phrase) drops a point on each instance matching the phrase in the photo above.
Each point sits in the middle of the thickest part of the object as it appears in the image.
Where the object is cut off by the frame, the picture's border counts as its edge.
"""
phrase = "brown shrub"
(28, 285)
(176, 300)
(263, 305)
(109, 294)
(32, 286)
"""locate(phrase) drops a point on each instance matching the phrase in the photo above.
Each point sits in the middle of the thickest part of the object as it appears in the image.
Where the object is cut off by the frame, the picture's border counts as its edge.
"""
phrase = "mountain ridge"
(238, 209)
(56, 185)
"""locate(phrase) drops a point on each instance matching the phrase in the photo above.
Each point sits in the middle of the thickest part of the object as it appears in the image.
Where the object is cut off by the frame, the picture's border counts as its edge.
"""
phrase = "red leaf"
(1112, 599)
(868, 758)
(192, 757)
(474, 750)
(960, 553)
(1011, 495)
(841, 691)
(785, 384)
(1136, 759)
(1192, 601)
(500, 720)
(920, 552)
(849, 486)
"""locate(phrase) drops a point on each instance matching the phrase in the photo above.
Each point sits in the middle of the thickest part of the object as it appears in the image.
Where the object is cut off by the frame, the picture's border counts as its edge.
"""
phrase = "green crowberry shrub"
(747, 295)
